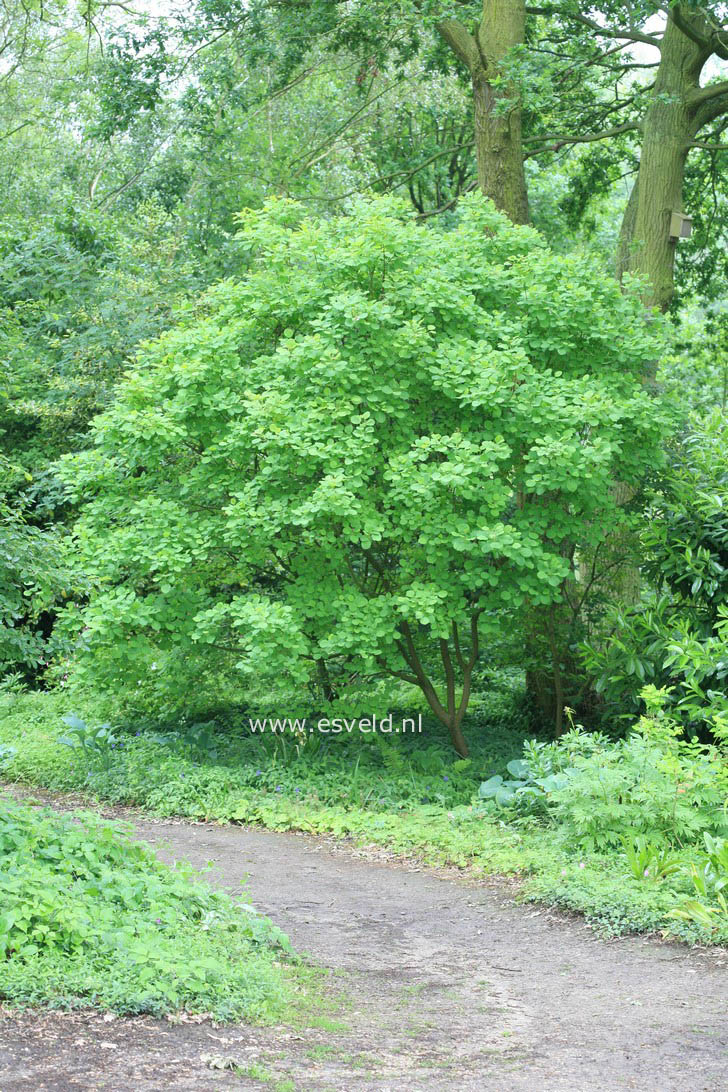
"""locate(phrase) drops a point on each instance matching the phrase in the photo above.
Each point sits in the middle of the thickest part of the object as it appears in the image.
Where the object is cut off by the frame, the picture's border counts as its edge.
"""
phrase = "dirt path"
(445, 985)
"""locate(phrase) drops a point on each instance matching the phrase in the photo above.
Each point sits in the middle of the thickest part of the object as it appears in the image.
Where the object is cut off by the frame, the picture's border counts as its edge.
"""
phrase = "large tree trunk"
(669, 126)
(671, 121)
(498, 144)
(645, 246)
(496, 104)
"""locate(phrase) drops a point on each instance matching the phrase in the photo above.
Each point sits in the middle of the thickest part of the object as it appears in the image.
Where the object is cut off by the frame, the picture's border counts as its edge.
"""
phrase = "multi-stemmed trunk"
(450, 711)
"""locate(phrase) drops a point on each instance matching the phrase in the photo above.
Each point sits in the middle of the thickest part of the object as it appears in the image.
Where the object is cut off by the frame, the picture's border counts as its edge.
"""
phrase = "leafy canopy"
(379, 438)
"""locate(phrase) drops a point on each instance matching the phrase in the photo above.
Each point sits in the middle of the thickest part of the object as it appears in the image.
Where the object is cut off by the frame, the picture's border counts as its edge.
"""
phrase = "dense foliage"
(292, 423)
(677, 637)
(384, 436)
(91, 918)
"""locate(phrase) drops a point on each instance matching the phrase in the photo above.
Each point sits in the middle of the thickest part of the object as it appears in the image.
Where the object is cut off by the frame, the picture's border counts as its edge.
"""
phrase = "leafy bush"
(710, 880)
(96, 744)
(89, 917)
(77, 295)
(34, 576)
(646, 793)
(677, 639)
(651, 783)
(526, 791)
(364, 451)
(695, 374)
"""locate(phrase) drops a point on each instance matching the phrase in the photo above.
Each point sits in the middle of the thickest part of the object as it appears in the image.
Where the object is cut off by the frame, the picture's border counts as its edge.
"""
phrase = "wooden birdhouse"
(680, 225)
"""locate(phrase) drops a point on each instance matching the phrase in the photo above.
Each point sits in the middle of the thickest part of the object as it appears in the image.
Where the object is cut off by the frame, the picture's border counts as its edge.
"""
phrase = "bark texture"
(496, 105)
(678, 108)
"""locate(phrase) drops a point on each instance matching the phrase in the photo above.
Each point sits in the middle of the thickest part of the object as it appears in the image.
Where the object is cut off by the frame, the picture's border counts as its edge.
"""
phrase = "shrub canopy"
(375, 441)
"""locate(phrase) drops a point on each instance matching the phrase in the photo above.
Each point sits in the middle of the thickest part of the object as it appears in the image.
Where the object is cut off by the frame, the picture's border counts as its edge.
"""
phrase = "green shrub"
(677, 638)
(354, 460)
(651, 783)
(653, 789)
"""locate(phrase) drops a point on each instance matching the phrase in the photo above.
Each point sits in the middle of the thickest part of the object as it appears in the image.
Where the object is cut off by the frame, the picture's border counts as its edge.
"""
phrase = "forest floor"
(435, 982)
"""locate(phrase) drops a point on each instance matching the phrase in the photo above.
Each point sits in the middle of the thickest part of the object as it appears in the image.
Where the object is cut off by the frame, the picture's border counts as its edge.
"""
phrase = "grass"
(407, 795)
(91, 918)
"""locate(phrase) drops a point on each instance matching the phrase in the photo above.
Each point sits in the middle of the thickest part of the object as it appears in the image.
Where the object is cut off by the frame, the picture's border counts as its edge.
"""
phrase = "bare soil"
(437, 983)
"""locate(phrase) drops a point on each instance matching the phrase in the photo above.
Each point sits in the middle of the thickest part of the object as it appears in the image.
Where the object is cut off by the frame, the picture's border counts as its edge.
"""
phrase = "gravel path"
(444, 984)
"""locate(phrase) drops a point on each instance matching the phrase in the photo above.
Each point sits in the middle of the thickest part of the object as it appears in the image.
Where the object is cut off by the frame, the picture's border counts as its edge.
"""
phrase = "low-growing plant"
(526, 792)
(95, 744)
(649, 860)
(201, 737)
(543, 768)
(7, 754)
(652, 783)
(710, 880)
(89, 917)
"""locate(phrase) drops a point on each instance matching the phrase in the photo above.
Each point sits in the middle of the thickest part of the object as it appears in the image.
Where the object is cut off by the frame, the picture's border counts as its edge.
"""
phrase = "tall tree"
(544, 80)
(678, 109)
(496, 100)
(666, 116)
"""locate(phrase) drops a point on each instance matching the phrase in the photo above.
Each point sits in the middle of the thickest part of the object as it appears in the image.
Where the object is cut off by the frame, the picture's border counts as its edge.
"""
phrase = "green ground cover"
(613, 829)
(89, 917)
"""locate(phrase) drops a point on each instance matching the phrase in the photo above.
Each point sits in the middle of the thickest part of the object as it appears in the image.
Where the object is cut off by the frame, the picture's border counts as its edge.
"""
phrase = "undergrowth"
(89, 917)
(409, 796)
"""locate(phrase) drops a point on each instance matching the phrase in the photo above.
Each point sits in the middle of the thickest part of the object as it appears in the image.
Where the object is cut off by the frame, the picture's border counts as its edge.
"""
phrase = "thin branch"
(468, 669)
(456, 643)
(404, 175)
(448, 204)
(556, 141)
(326, 145)
(422, 681)
(449, 676)
(708, 147)
(629, 34)
(124, 186)
(12, 132)
(397, 674)
(474, 640)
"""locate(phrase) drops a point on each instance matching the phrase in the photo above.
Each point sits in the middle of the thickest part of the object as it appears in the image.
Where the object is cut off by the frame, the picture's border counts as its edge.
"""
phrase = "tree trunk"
(322, 670)
(496, 104)
(669, 127)
(452, 712)
(626, 233)
(458, 740)
(498, 146)
(645, 246)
